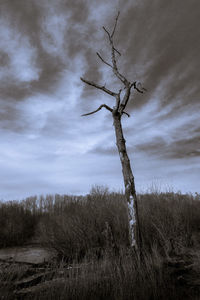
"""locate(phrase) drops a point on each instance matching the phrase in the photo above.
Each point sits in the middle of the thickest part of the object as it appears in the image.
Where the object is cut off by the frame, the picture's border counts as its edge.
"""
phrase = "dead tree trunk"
(117, 111)
(130, 193)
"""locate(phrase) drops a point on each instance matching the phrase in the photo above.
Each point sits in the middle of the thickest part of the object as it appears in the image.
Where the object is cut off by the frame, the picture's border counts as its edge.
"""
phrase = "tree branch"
(113, 32)
(120, 104)
(127, 95)
(125, 99)
(117, 51)
(113, 50)
(103, 60)
(134, 84)
(141, 87)
(100, 107)
(103, 88)
(126, 113)
(107, 32)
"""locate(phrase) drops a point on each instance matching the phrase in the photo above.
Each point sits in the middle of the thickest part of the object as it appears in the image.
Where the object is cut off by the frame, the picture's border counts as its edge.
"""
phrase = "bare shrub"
(169, 220)
(81, 228)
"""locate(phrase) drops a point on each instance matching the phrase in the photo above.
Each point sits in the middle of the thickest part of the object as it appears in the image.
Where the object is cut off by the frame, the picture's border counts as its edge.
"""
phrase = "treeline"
(17, 224)
(89, 226)
(19, 220)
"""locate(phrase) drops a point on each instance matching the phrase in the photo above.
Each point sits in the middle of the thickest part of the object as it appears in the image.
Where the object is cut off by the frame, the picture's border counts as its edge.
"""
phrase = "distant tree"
(117, 112)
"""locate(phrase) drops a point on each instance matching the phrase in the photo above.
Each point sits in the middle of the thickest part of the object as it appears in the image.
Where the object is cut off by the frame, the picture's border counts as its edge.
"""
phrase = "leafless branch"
(107, 32)
(103, 60)
(100, 107)
(103, 88)
(140, 90)
(125, 113)
(117, 51)
(139, 85)
(120, 103)
(113, 32)
(113, 50)
(115, 68)
(110, 37)
(125, 98)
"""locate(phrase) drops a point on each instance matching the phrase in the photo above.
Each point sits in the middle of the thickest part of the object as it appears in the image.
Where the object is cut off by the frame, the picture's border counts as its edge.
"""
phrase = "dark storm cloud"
(184, 148)
(161, 42)
(31, 25)
(28, 18)
(104, 151)
(11, 90)
(189, 147)
(4, 58)
(154, 147)
(10, 118)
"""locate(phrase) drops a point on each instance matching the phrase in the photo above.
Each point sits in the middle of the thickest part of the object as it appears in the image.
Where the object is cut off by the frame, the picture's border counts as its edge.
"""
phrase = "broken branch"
(100, 107)
(134, 84)
(103, 88)
(125, 113)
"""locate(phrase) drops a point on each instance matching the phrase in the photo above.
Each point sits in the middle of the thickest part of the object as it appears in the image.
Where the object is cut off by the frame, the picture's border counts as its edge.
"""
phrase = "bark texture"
(130, 193)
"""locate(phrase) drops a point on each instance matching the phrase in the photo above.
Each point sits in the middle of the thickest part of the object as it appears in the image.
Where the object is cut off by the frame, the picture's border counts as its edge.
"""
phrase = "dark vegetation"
(90, 234)
(17, 222)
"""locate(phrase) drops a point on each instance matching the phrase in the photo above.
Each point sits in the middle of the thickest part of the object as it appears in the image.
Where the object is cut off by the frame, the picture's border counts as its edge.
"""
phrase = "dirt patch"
(27, 254)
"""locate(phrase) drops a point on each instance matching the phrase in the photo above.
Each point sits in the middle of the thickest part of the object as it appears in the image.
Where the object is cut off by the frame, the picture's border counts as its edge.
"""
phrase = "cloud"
(45, 47)
(162, 45)
(104, 150)
(18, 62)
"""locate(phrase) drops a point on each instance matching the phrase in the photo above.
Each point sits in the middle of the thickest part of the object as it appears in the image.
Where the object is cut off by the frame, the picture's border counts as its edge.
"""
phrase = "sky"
(46, 147)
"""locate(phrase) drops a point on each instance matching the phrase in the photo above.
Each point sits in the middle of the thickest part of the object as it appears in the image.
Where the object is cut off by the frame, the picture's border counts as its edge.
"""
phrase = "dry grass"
(91, 235)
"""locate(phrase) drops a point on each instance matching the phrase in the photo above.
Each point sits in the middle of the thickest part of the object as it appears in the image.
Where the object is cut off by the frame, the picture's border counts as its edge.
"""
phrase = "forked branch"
(120, 103)
(100, 107)
(113, 51)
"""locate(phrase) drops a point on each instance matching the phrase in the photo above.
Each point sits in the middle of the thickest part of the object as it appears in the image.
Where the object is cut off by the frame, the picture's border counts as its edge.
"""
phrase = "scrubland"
(89, 235)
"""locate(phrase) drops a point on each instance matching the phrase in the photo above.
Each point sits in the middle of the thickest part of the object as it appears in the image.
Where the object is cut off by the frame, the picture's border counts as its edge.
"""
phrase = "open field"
(89, 240)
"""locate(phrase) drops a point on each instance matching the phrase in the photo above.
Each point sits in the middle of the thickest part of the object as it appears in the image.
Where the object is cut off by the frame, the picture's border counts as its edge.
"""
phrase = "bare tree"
(117, 111)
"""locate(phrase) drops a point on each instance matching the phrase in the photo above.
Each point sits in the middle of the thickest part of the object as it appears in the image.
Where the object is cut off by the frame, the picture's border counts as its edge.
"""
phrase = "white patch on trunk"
(121, 156)
(132, 220)
(133, 243)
